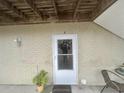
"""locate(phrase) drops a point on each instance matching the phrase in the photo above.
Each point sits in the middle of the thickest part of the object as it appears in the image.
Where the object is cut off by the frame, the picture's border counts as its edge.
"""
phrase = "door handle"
(54, 57)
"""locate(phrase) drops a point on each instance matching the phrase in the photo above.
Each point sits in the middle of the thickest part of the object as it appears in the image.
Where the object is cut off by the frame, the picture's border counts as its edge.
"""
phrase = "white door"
(65, 59)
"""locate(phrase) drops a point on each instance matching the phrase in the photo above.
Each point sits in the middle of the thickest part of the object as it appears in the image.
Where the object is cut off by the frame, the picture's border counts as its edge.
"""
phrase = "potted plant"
(40, 80)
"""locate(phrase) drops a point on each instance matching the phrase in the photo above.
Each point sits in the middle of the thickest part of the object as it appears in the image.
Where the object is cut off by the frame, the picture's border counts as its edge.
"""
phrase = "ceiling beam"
(9, 5)
(76, 9)
(34, 8)
(101, 7)
(55, 8)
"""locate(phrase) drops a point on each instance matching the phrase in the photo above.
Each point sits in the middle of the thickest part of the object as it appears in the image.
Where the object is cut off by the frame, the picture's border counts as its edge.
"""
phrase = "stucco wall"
(98, 49)
(113, 18)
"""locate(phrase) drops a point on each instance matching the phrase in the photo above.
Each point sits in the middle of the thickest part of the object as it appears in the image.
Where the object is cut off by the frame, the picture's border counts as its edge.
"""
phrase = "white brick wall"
(98, 49)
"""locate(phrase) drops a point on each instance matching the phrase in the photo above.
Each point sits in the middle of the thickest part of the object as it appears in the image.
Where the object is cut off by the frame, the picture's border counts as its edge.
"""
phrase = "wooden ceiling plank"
(87, 7)
(76, 9)
(101, 7)
(12, 8)
(81, 10)
(6, 16)
(34, 8)
(55, 8)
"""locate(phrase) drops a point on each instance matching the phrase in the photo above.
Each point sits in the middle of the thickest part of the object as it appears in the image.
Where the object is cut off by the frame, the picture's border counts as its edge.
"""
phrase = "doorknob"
(54, 57)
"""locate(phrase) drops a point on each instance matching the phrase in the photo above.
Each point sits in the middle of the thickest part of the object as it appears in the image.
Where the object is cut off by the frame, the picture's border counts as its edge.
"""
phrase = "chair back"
(107, 79)
(106, 76)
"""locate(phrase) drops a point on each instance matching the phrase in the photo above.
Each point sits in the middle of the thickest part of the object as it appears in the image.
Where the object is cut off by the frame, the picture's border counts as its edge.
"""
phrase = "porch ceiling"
(46, 11)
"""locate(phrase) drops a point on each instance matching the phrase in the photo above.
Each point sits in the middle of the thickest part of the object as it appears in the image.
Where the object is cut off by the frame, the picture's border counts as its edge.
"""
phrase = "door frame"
(54, 49)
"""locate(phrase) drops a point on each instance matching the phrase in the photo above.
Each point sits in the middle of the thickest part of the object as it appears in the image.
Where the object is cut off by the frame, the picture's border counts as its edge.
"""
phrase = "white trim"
(65, 36)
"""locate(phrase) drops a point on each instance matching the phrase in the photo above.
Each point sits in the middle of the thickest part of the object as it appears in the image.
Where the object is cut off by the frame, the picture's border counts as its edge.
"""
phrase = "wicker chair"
(112, 84)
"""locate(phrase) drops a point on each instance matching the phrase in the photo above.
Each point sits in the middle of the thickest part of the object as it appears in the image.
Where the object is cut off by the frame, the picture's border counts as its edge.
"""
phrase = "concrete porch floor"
(31, 89)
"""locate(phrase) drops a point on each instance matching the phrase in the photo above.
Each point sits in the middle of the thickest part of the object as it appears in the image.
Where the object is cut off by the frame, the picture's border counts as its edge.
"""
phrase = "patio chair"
(112, 84)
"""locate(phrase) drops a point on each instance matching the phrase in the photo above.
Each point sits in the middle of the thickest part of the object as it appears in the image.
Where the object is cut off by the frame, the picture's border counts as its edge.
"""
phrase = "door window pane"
(65, 46)
(65, 62)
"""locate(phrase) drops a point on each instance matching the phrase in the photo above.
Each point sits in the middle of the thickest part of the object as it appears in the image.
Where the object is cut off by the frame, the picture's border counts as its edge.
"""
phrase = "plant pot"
(40, 88)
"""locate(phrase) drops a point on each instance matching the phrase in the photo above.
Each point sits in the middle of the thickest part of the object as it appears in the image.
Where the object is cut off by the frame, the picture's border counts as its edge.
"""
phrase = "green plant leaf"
(41, 78)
